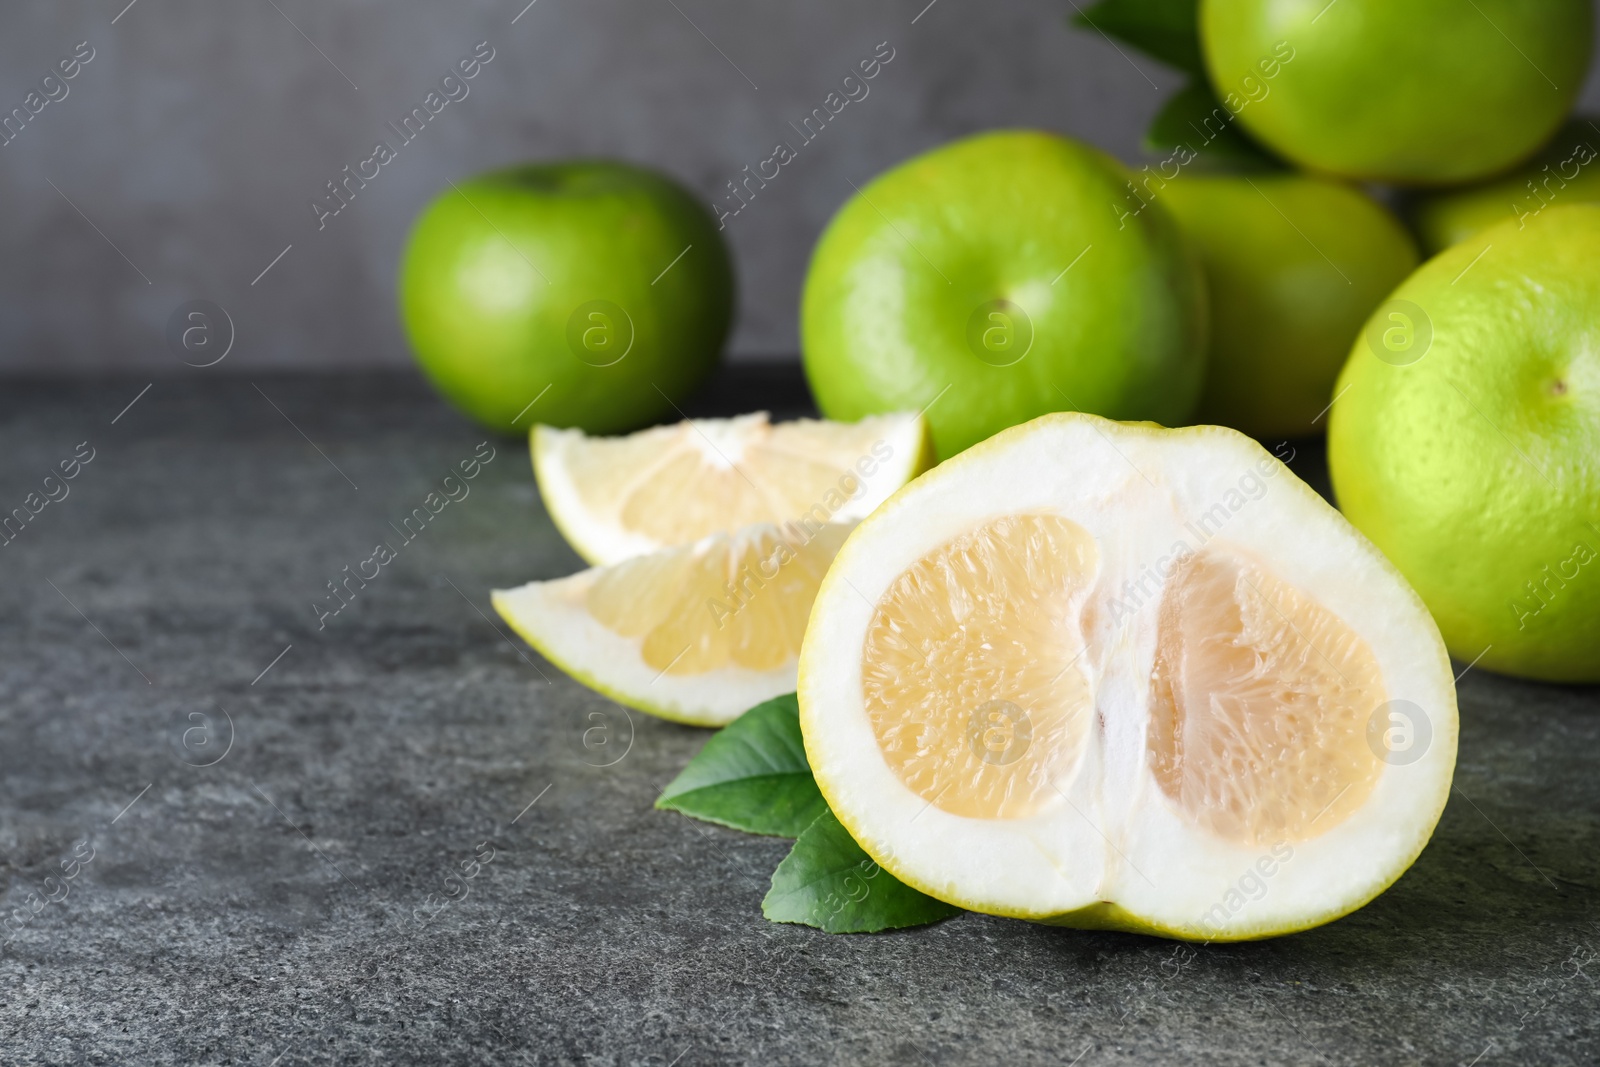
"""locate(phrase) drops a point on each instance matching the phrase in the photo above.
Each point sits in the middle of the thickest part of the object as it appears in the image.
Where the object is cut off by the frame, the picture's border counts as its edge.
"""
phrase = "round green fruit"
(998, 278)
(1295, 264)
(1566, 172)
(1466, 442)
(1414, 92)
(603, 283)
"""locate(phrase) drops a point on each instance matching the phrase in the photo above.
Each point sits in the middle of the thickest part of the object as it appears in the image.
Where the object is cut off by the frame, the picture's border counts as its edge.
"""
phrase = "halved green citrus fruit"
(1115, 676)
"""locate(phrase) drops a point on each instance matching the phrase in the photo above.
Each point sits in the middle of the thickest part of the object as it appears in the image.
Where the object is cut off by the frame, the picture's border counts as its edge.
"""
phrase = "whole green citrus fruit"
(1567, 171)
(1295, 264)
(1465, 442)
(604, 283)
(998, 278)
(1415, 92)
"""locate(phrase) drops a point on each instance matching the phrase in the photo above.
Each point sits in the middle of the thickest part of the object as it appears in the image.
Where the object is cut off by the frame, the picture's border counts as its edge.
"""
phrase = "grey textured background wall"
(183, 158)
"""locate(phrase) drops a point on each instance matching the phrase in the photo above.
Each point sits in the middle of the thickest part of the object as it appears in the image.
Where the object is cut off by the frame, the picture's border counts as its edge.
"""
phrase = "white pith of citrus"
(618, 497)
(697, 634)
(1111, 675)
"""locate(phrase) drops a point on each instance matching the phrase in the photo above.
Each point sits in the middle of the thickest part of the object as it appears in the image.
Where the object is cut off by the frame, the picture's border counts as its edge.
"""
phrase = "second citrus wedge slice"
(697, 634)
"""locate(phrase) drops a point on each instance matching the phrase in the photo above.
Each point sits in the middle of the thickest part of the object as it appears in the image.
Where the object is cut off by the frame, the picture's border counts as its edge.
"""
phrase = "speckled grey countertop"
(262, 818)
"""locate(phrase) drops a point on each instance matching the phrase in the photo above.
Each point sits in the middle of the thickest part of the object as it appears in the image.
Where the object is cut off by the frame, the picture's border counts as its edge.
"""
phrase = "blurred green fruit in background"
(1566, 172)
(1295, 265)
(1466, 442)
(605, 283)
(998, 278)
(1415, 92)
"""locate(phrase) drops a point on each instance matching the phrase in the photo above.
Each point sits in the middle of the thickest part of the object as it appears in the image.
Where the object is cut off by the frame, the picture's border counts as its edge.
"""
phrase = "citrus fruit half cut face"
(1111, 675)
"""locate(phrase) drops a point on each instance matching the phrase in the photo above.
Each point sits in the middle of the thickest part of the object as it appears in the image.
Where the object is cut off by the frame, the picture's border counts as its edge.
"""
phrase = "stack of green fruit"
(1257, 274)
(1249, 278)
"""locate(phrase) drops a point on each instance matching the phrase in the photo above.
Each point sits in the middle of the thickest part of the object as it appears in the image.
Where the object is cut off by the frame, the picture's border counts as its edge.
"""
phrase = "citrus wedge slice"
(618, 497)
(1115, 676)
(696, 634)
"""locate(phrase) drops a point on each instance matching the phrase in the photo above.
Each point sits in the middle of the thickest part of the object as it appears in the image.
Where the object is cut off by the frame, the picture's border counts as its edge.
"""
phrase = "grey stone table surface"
(269, 826)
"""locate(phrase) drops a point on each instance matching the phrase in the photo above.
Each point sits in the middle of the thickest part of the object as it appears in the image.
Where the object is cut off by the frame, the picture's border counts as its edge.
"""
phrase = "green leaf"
(1195, 119)
(752, 775)
(1169, 30)
(827, 881)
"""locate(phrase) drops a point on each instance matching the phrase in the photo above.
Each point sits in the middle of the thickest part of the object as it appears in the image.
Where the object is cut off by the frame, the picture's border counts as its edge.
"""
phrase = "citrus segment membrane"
(618, 497)
(970, 671)
(1259, 704)
(972, 679)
